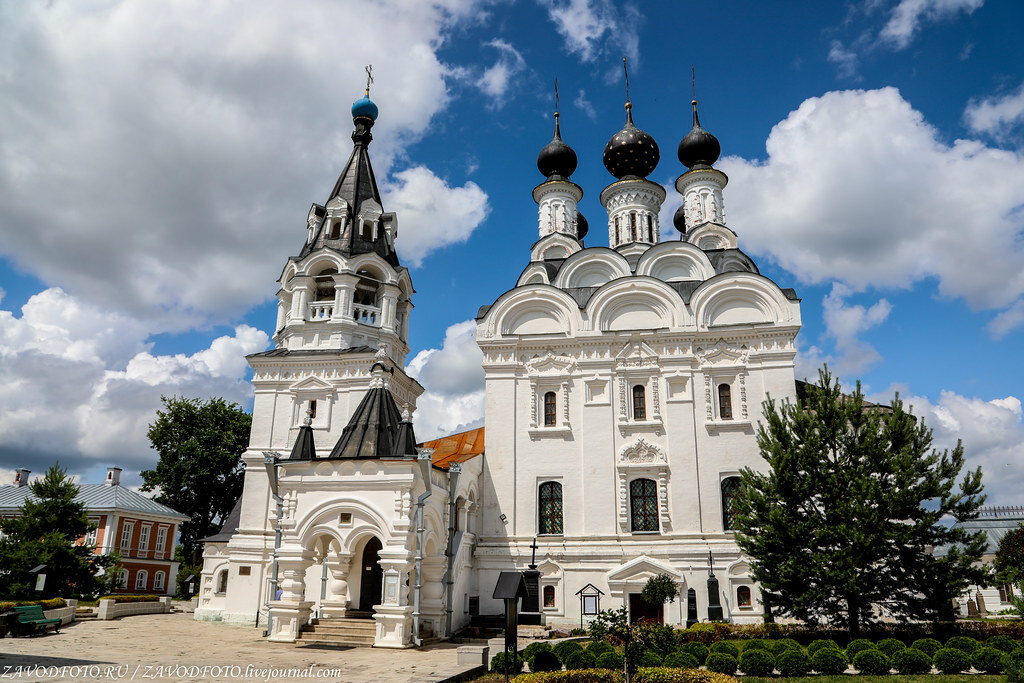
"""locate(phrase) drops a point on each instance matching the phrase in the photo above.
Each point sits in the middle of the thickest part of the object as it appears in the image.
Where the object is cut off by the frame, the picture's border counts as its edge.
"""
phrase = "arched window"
(122, 578)
(650, 229)
(367, 233)
(743, 596)
(222, 581)
(617, 237)
(549, 596)
(550, 507)
(549, 409)
(724, 402)
(141, 577)
(335, 229)
(730, 491)
(158, 581)
(643, 504)
(632, 226)
(639, 403)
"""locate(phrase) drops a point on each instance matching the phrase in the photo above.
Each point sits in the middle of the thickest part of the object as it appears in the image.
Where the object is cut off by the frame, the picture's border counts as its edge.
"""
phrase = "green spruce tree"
(850, 508)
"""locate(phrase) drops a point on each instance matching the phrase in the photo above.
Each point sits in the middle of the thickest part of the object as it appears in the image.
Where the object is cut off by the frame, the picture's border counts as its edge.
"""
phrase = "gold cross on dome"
(369, 78)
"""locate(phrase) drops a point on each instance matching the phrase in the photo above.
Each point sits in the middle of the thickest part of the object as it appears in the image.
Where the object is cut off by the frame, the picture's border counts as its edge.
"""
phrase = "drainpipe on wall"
(449, 577)
(270, 461)
(424, 461)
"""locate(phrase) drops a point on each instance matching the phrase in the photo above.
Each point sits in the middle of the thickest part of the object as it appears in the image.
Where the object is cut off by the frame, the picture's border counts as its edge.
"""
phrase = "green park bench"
(30, 619)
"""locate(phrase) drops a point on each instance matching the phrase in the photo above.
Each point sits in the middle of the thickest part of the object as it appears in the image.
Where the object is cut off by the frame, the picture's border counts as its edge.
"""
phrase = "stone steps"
(339, 632)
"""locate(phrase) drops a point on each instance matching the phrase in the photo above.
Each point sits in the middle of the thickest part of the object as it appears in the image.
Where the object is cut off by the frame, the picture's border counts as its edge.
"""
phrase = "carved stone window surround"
(642, 460)
(546, 373)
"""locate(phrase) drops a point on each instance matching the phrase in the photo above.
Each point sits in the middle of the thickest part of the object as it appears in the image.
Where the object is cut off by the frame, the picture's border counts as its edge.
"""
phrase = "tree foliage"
(852, 503)
(45, 533)
(1009, 564)
(659, 589)
(200, 469)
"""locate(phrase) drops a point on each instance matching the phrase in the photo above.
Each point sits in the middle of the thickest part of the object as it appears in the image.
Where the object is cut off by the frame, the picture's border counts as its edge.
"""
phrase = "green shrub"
(777, 647)
(532, 649)
(599, 648)
(545, 660)
(911, 661)
(655, 675)
(722, 663)
(988, 660)
(51, 603)
(1013, 665)
(929, 646)
(951, 660)
(698, 650)
(657, 637)
(511, 665)
(565, 647)
(757, 662)
(1002, 643)
(681, 660)
(793, 663)
(963, 643)
(830, 661)
(726, 647)
(611, 660)
(890, 646)
(649, 658)
(871, 662)
(816, 645)
(755, 644)
(700, 633)
(579, 659)
(858, 646)
(131, 598)
(581, 676)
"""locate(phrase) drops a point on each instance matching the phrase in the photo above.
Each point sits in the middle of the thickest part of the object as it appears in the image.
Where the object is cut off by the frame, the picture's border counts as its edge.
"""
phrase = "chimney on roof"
(21, 477)
(113, 476)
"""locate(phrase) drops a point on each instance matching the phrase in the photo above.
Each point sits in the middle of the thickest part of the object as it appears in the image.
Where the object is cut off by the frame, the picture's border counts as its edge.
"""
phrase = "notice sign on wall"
(40, 581)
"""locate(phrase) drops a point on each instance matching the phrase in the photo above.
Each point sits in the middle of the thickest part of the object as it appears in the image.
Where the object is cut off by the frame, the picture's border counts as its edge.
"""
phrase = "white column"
(556, 211)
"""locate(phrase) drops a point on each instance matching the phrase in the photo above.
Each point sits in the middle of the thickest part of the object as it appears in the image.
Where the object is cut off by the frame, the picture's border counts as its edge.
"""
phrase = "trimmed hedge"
(533, 648)
(963, 643)
(1013, 665)
(890, 646)
(650, 675)
(564, 648)
(777, 647)
(1002, 643)
(951, 660)
(911, 661)
(722, 663)
(755, 644)
(611, 660)
(51, 603)
(582, 676)
(501, 664)
(858, 646)
(793, 663)
(131, 598)
(545, 660)
(599, 648)
(649, 658)
(988, 660)
(871, 662)
(816, 645)
(681, 660)
(726, 648)
(978, 629)
(830, 661)
(929, 646)
(579, 659)
(757, 662)
(699, 651)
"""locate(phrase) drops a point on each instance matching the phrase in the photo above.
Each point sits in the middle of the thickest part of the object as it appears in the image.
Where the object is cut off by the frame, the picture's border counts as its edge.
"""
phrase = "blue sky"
(157, 163)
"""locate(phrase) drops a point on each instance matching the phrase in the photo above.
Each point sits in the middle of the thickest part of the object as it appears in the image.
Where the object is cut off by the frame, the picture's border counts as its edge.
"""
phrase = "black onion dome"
(631, 153)
(679, 219)
(557, 159)
(699, 148)
(582, 227)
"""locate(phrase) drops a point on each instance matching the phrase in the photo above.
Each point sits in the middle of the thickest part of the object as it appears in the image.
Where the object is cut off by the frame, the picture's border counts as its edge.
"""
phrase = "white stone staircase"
(338, 632)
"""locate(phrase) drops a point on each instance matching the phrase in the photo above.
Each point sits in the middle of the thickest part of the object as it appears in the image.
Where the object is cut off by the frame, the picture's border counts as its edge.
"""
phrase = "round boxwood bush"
(1013, 665)
(726, 647)
(544, 660)
(890, 646)
(681, 660)
(963, 643)
(858, 646)
(793, 663)
(580, 659)
(988, 660)
(816, 645)
(911, 661)
(650, 658)
(533, 648)
(830, 661)
(757, 662)
(779, 646)
(755, 644)
(599, 647)
(1002, 643)
(513, 664)
(929, 646)
(951, 660)
(722, 663)
(872, 662)
(611, 660)
(564, 648)
(698, 650)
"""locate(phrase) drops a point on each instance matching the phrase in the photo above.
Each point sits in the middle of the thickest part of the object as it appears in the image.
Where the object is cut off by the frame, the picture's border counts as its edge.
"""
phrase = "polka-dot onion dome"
(364, 106)
(631, 153)
(582, 227)
(557, 159)
(699, 147)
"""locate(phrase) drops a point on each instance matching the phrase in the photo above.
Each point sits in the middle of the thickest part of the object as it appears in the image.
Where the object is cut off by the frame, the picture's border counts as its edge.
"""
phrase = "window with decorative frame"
(158, 581)
(126, 535)
(141, 577)
(161, 541)
(122, 578)
(549, 596)
(144, 540)
(549, 508)
(724, 402)
(549, 376)
(643, 505)
(639, 402)
(730, 492)
(550, 409)
(743, 599)
(723, 367)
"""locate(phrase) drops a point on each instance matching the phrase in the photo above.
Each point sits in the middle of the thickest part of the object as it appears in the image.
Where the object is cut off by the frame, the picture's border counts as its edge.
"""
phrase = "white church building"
(623, 389)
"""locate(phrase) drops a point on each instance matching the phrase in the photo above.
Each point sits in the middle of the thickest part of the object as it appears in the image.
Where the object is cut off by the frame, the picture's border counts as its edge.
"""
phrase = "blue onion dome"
(679, 219)
(582, 227)
(631, 153)
(364, 106)
(699, 149)
(557, 160)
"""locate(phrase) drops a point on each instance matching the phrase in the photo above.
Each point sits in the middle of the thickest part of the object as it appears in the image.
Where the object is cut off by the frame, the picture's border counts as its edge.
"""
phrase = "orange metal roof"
(456, 447)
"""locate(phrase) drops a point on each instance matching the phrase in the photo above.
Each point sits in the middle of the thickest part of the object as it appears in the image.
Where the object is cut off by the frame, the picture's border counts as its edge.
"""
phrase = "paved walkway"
(174, 647)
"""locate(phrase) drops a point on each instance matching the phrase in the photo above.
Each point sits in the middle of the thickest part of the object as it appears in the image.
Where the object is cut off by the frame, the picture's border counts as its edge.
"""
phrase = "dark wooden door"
(640, 610)
(371, 576)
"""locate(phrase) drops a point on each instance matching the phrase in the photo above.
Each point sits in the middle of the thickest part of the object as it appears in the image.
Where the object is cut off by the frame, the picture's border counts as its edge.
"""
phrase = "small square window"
(345, 518)
(244, 570)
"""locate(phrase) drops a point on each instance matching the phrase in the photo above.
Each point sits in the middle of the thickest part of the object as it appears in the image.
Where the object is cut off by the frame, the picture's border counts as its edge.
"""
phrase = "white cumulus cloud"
(908, 16)
(593, 27)
(454, 381)
(996, 115)
(497, 80)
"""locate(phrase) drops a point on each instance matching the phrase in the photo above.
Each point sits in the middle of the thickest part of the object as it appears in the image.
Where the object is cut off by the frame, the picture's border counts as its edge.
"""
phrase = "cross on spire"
(556, 97)
(369, 77)
(626, 71)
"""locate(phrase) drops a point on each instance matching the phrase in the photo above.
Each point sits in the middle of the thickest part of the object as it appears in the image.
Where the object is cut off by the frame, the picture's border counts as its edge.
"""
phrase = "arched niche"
(739, 299)
(636, 304)
(592, 268)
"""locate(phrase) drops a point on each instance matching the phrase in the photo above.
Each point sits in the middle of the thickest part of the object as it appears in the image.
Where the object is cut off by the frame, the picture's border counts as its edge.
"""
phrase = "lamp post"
(270, 462)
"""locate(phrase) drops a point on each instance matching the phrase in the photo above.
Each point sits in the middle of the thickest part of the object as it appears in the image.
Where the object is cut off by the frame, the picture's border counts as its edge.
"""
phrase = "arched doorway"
(371, 576)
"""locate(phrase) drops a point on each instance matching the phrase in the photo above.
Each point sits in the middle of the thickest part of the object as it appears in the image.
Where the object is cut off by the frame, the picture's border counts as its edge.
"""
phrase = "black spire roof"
(304, 449)
(699, 149)
(557, 160)
(376, 428)
(631, 153)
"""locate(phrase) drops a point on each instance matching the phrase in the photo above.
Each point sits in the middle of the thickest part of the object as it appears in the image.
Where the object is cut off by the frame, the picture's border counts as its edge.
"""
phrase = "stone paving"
(174, 647)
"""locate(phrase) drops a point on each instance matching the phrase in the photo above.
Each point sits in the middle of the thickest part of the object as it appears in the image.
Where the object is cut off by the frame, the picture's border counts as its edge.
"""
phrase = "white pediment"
(550, 365)
(636, 354)
(642, 453)
(722, 354)
(549, 569)
(311, 384)
(739, 568)
(641, 569)
(337, 203)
